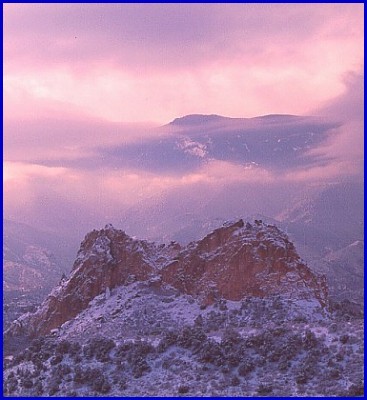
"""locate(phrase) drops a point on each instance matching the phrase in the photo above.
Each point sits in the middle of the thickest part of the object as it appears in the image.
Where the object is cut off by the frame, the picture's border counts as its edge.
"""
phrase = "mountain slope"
(33, 260)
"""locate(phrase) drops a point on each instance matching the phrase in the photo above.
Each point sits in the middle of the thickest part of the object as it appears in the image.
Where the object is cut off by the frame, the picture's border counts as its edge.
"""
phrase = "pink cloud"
(346, 145)
(170, 35)
(126, 62)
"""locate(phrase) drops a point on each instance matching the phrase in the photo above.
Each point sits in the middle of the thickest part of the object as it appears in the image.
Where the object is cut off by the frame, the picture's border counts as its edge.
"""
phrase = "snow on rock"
(232, 262)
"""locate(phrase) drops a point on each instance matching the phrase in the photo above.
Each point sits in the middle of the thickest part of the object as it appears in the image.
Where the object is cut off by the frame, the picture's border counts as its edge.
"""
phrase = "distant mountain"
(327, 226)
(196, 119)
(33, 260)
(335, 209)
(352, 254)
(34, 270)
(345, 271)
(273, 141)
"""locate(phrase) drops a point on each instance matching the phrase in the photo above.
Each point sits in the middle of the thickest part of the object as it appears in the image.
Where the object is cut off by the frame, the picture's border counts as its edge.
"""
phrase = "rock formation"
(232, 262)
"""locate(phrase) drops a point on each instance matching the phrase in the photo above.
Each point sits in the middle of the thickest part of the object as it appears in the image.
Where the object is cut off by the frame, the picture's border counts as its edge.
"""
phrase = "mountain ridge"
(189, 119)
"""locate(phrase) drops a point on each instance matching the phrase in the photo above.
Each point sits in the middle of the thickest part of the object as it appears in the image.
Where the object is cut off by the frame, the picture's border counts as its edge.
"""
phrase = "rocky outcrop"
(238, 260)
(232, 262)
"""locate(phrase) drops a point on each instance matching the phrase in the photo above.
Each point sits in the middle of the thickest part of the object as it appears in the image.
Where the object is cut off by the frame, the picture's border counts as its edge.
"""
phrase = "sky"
(82, 79)
(155, 62)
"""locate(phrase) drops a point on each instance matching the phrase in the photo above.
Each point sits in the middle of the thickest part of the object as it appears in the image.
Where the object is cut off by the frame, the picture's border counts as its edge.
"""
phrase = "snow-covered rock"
(232, 262)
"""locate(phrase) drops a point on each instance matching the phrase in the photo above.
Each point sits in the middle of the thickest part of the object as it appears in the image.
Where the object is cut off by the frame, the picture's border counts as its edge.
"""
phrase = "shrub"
(142, 349)
(77, 359)
(301, 378)
(264, 389)
(139, 367)
(246, 367)
(169, 339)
(62, 369)
(53, 389)
(123, 384)
(86, 375)
(27, 383)
(11, 385)
(284, 365)
(123, 350)
(223, 305)
(39, 388)
(75, 349)
(183, 389)
(356, 390)
(233, 358)
(99, 348)
(231, 339)
(344, 339)
(191, 337)
(36, 344)
(211, 352)
(335, 373)
(310, 340)
(79, 376)
(56, 359)
(235, 381)
(101, 385)
(63, 347)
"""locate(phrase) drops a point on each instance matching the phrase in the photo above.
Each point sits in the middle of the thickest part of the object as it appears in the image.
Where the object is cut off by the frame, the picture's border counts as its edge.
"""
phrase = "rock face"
(232, 262)
(238, 260)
